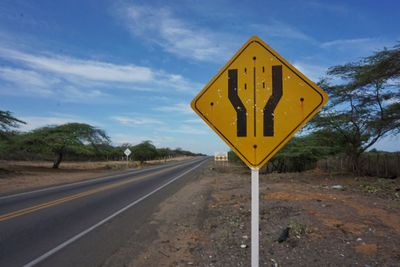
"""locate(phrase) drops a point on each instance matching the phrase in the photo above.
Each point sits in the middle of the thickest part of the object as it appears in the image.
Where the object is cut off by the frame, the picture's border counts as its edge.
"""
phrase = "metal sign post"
(127, 152)
(255, 198)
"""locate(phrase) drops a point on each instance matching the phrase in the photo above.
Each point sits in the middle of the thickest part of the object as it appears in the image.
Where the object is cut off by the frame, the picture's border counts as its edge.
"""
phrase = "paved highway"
(84, 223)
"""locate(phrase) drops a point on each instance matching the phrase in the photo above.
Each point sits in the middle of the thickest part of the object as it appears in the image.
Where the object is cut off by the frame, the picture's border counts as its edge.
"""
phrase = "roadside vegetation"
(71, 141)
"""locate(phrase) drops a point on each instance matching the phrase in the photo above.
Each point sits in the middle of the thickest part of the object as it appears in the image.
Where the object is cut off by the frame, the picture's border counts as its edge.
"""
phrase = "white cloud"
(279, 29)
(176, 36)
(136, 121)
(33, 122)
(388, 143)
(158, 141)
(78, 80)
(361, 45)
(181, 108)
(186, 129)
(313, 72)
(344, 42)
(194, 121)
(176, 81)
(20, 75)
(85, 69)
(324, 6)
(74, 94)
(33, 84)
(119, 139)
(28, 80)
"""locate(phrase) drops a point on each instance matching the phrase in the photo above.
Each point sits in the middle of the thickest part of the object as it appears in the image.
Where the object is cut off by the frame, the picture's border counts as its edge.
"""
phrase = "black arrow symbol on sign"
(237, 103)
(273, 100)
(269, 107)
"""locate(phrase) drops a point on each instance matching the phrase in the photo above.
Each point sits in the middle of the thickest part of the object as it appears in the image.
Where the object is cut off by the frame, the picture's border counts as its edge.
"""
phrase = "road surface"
(85, 223)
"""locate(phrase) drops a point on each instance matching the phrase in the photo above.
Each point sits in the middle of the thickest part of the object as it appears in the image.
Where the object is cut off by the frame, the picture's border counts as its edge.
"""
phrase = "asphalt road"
(85, 223)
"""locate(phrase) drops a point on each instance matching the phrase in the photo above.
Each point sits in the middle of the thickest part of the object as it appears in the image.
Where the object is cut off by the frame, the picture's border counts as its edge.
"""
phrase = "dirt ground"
(306, 219)
(16, 176)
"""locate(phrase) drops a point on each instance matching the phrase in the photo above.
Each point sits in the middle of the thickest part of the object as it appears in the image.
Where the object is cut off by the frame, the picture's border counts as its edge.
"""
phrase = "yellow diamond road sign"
(257, 102)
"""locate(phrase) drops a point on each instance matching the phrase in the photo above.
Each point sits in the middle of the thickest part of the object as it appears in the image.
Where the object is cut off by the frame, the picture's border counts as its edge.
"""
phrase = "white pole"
(127, 162)
(254, 217)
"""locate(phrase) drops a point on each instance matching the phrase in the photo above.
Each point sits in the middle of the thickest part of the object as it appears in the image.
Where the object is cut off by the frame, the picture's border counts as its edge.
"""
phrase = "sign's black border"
(284, 139)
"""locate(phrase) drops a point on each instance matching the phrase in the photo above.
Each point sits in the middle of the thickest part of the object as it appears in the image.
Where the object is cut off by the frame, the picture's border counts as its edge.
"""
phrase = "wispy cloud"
(33, 122)
(71, 93)
(78, 80)
(31, 83)
(280, 29)
(177, 36)
(323, 6)
(186, 129)
(158, 140)
(364, 45)
(136, 121)
(86, 69)
(182, 108)
(387, 143)
(312, 71)
(119, 139)
(194, 121)
(176, 81)
(28, 80)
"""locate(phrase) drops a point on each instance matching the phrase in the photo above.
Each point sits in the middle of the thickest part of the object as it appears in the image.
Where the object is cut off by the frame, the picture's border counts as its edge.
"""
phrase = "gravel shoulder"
(306, 219)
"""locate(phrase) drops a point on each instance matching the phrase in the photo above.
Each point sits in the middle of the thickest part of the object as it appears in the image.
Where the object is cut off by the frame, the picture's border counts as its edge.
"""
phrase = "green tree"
(58, 140)
(7, 122)
(109, 152)
(233, 157)
(364, 102)
(144, 151)
(302, 152)
(164, 152)
(385, 65)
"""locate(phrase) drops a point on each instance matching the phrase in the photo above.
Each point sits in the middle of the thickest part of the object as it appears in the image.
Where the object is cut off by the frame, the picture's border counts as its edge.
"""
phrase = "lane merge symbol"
(268, 109)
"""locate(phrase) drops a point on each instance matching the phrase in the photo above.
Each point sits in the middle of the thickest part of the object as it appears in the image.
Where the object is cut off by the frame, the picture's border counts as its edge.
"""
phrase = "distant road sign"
(257, 102)
(127, 152)
(221, 156)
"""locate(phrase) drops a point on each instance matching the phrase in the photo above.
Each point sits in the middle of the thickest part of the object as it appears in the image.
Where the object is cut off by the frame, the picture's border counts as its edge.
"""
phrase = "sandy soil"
(17, 176)
(305, 220)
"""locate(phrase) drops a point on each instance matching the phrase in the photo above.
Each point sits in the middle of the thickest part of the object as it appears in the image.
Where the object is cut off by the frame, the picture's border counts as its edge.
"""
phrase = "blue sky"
(132, 67)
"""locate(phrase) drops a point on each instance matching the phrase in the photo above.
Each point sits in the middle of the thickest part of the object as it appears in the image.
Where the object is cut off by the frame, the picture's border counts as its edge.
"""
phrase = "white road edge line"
(81, 234)
(115, 176)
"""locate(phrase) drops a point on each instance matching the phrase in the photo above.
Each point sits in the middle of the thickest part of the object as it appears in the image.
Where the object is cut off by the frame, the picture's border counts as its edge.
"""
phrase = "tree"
(385, 65)
(164, 152)
(59, 140)
(302, 152)
(144, 151)
(7, 121)
(364, 103)
(234, 158)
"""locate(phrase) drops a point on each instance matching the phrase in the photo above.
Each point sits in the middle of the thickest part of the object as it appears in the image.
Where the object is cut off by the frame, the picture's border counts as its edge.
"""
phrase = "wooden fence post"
(398, 164)
(369, 165)
(377, 164)
(386, 165)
